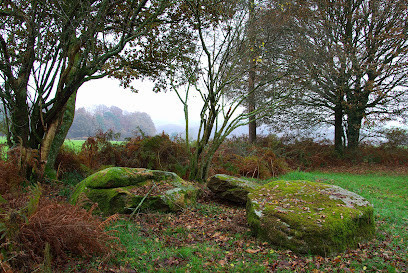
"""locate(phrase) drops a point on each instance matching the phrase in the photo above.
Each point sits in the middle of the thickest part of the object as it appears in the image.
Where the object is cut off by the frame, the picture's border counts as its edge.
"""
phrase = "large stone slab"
(309, 217)
(120, 190)
(230, 188)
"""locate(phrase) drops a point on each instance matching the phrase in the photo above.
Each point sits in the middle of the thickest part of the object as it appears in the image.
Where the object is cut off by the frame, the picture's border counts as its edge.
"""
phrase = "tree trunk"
(19, 118)
(251, 107)
(59, 138)
(252, 74)
(6, 124)
(338, 129)
(353, 130)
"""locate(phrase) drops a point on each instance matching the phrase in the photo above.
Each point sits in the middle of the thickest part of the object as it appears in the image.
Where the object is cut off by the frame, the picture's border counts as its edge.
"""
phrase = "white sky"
(163, 108)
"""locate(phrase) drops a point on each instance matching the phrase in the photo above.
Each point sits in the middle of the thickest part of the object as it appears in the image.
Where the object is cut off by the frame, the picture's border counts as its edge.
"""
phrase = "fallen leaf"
(222, 262)
(250, 250)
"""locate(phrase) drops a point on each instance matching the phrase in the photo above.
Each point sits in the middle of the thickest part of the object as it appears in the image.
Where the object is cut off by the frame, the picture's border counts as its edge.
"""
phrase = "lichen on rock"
(120, 190)
(309, 217)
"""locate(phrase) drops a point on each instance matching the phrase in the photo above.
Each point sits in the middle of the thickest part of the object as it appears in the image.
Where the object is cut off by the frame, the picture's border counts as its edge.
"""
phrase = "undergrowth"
(269, 157)
(40, 231)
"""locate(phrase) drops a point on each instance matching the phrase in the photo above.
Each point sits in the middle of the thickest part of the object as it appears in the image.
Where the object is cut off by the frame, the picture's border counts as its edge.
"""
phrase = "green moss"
(122, 177)
(150, 203)
(230, 188)
(109, 201)
(235, 181)
(79, 189)
(117, 177)
(112, 189)
(309, 217)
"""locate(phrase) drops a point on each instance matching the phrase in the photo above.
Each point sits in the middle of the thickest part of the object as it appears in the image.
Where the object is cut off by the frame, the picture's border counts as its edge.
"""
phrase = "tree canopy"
(350, 62)
(50, 48)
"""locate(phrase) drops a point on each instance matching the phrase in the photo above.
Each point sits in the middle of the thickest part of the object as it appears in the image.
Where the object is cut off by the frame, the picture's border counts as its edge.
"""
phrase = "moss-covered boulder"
(230, 188)
(120, 190)
(309, 217)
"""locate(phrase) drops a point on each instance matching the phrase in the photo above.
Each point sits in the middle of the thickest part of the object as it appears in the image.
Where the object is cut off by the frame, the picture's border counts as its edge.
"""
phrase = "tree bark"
(353, 130)
(19, 113)
(252, 75)
(61, 134)
(251, 106)
(338, 129)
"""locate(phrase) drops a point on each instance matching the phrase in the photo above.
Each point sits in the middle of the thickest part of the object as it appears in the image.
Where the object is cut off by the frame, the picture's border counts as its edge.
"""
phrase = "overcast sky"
(163, 108)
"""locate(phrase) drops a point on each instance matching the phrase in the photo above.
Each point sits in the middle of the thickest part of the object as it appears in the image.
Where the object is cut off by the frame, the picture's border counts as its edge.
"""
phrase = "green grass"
(154, 253)
(74, 144)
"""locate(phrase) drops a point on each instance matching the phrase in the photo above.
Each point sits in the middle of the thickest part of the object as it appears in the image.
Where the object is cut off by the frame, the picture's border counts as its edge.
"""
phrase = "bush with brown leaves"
(67, 229)
(67, 161)
(10, 178)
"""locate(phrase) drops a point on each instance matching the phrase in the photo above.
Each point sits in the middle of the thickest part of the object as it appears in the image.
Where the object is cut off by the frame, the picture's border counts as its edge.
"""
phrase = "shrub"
(27, 162)
(67, 161)
(98, 151)
(396, 137)
(10, 178)
(35, 229)
(67, 229)
(237, 157)
(158, 152)
(307, 154)
(276, 166)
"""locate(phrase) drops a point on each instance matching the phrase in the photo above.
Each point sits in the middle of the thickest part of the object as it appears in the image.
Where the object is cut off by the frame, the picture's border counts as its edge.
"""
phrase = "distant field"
(76, 144)
(73, 144)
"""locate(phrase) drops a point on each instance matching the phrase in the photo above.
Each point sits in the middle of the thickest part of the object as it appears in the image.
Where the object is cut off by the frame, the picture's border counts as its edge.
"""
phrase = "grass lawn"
(214, 237)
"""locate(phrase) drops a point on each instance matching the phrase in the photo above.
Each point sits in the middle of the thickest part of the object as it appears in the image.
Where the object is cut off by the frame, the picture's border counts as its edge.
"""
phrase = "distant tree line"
(87, 123)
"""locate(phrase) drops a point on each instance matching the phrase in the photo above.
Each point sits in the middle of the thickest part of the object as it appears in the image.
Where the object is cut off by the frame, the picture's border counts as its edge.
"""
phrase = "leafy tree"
(50, 48)
(351, 58)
